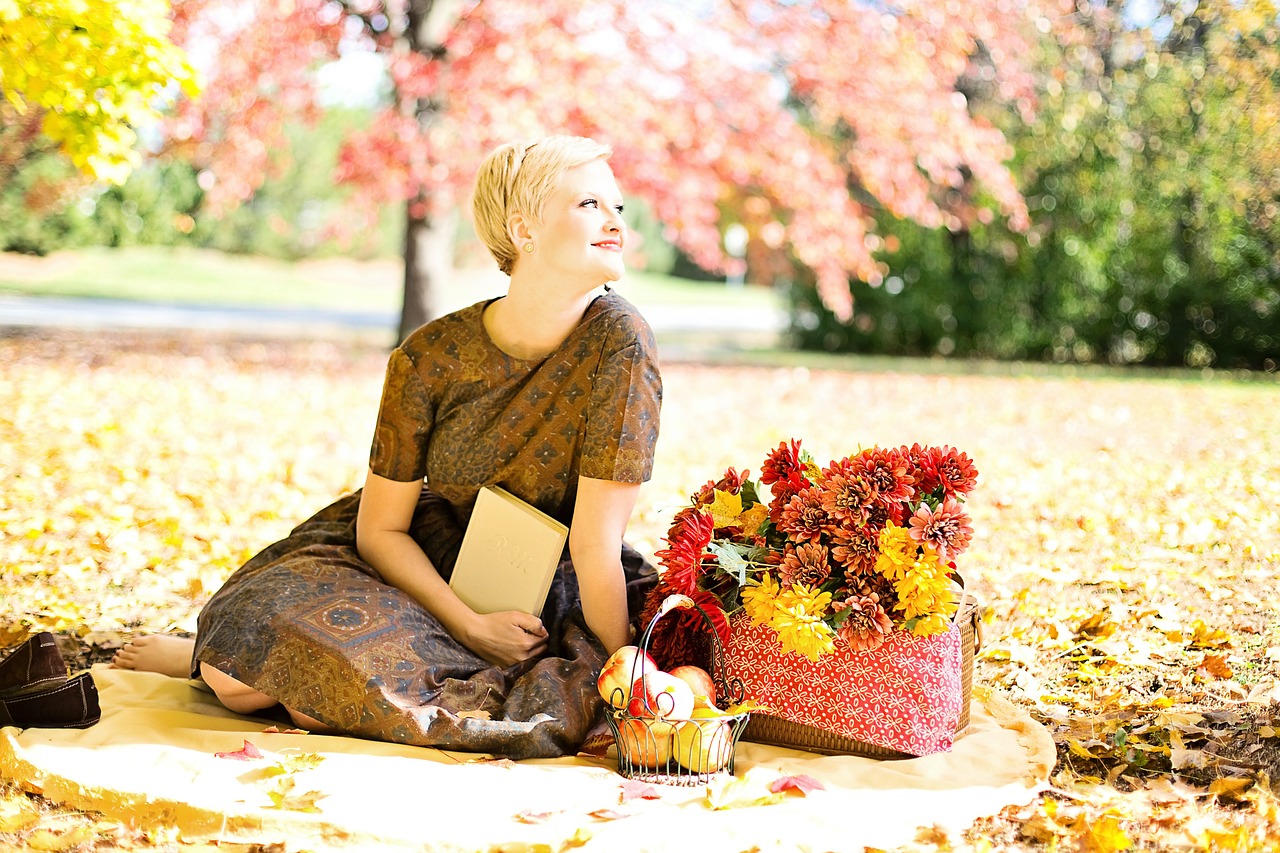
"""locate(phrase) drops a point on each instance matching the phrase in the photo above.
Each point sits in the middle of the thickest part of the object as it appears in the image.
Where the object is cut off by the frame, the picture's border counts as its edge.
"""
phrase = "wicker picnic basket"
(775, 731)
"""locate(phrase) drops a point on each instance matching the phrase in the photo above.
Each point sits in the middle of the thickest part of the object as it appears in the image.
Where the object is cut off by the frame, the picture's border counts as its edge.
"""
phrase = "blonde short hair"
(518, 178)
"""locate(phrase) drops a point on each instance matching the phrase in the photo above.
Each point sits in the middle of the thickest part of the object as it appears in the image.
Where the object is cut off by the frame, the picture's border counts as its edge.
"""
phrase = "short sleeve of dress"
(622, 415)
(404, 423)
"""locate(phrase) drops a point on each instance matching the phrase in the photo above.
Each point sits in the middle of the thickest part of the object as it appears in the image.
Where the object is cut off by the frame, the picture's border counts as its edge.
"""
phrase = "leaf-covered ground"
(1127, 542)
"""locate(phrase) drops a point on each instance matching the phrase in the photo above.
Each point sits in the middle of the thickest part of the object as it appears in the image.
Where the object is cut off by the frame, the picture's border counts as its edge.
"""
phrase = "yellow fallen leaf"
(749, 706)
(1085, 750)
(1103, 835)
(16, 816)
(1229, 789)
(1204, 637)
(51, 842)
(580, 837)
(733, 792)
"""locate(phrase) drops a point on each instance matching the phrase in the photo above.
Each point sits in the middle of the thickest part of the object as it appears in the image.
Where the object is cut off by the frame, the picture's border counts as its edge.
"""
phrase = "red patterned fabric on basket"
(905, 695)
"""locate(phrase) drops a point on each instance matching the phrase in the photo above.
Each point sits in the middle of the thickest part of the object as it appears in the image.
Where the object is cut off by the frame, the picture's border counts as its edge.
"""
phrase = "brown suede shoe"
(35, 665)
(73, 705)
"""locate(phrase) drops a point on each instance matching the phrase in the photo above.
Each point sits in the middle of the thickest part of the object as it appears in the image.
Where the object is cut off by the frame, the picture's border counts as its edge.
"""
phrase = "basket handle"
(731, 690)
(976, 617)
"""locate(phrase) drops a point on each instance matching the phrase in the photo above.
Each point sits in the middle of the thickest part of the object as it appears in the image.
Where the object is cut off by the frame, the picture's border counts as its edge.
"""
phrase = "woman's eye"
(591, 202)
(618, 208)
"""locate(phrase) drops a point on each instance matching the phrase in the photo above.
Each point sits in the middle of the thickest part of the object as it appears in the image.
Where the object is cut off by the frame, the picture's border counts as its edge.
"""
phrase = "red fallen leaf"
(535, 817)
(271, 730)
(802, 783)
(1214, 666)
(247, 752)
(633, 790)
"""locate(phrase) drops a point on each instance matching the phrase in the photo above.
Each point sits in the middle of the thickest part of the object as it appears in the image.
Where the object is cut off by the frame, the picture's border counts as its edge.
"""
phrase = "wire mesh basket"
(661, 737)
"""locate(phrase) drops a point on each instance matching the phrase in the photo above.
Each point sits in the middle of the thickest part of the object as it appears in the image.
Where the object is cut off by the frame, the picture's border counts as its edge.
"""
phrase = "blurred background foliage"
(1150, 168)
(1150, 172)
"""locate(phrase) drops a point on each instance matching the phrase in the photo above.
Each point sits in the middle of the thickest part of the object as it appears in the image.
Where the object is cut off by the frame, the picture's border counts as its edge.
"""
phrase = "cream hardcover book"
(509, 554)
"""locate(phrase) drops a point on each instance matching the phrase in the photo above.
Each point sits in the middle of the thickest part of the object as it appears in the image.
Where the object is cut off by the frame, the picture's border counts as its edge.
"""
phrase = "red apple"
(662, 695)
(623, 668)
(699, 681)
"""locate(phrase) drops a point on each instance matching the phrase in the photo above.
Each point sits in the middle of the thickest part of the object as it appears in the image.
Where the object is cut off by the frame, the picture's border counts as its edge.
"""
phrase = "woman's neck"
(532, 321)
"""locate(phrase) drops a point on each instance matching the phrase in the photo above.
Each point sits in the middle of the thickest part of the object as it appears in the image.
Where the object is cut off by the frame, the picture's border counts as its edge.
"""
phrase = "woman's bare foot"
(157, 653)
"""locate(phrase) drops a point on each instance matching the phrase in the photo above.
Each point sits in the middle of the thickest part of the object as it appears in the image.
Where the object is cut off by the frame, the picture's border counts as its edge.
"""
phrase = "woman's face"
(581, 233)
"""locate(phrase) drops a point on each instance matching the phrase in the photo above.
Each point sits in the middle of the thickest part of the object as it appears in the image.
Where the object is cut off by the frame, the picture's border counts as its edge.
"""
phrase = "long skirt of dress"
(310, 624)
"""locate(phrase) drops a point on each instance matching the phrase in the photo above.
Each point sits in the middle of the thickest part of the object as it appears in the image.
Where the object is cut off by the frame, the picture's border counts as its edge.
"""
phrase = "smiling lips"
(610, 245)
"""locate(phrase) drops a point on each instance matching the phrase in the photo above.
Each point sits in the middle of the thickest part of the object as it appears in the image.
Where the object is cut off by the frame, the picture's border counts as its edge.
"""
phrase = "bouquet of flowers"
(849, 552)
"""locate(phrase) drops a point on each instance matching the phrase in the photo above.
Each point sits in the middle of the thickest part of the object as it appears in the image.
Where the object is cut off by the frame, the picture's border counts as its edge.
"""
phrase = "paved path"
(679, 328)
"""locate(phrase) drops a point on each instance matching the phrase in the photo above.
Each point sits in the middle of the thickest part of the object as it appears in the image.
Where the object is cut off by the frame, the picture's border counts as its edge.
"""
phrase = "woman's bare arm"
(383, 540)
(600, 517)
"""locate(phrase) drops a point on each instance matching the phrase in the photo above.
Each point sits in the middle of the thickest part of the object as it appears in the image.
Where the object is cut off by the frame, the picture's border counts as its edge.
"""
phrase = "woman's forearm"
(603, 588)
(600, 517)
(401, 562)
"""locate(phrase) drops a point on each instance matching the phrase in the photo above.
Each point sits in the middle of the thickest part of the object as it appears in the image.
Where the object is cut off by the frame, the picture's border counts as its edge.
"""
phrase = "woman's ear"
(518, 228)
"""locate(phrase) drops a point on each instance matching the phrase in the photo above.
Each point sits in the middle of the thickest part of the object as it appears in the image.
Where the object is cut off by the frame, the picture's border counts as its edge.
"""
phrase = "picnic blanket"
(152, 760)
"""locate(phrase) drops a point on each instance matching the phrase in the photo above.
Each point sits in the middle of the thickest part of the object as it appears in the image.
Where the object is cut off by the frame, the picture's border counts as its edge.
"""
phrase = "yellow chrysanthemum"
(929, 625)
(760, 599)
(897, 552)
(803, 633)
(808, 599)
(924, 590)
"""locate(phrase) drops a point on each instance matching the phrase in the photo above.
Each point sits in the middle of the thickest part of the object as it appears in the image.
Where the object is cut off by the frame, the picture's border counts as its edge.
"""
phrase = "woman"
(551, 392)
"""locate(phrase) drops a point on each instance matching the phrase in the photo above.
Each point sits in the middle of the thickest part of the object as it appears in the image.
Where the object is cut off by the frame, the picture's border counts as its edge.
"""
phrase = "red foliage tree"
(815, 112)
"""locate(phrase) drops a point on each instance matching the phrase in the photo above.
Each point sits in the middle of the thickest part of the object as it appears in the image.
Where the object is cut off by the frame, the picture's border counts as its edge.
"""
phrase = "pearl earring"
(528, 247)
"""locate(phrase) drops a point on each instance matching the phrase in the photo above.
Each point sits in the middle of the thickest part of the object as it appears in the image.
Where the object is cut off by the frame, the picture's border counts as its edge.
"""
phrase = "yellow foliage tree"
(90, 72)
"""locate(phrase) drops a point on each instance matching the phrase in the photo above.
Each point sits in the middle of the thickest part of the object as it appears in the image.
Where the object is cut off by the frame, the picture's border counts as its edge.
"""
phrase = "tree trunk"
(428, 262)
(428, 239)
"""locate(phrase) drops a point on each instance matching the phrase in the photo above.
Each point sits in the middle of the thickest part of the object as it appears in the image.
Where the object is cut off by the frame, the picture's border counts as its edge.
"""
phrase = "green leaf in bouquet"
(757, 555)
(750, 495)
(731, 559)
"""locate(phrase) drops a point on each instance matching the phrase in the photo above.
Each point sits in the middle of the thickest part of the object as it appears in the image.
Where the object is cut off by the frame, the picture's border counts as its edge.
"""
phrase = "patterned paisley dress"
(309, 623)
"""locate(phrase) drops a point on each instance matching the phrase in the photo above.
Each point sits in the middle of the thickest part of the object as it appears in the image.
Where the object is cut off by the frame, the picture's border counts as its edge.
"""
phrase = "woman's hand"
(506, 638)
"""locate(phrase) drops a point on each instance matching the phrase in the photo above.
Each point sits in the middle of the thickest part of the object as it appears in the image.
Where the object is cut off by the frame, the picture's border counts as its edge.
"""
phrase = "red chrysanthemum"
(688, 538)
(926, 479)
(888, 472)
(803, 519)
(847, 496)
(783, 492)
(705, 496)
(867, 625)
(806, 564)
(946, 528)
(952, 469)
(782, 463)
(856, 549)
(732, 481)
